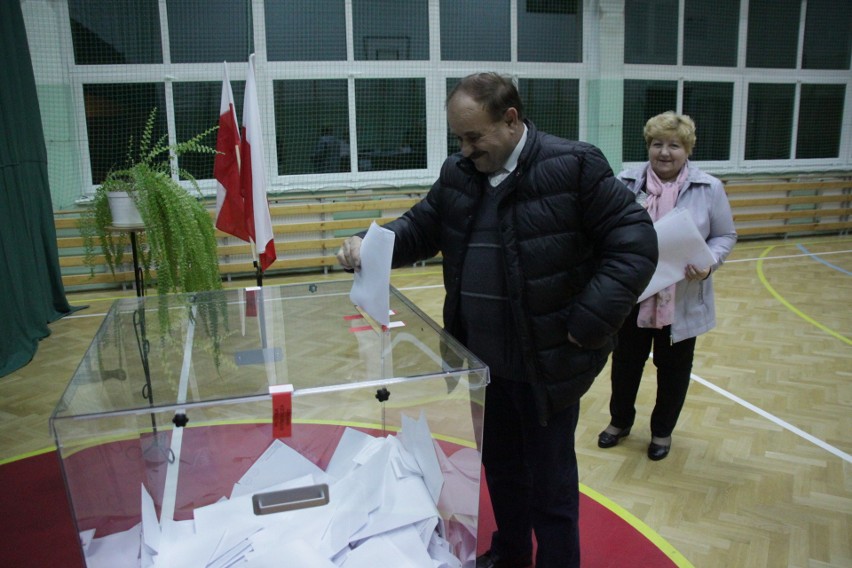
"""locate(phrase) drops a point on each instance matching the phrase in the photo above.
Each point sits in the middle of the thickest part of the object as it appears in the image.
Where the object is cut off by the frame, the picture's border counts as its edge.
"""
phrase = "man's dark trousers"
(531, 471)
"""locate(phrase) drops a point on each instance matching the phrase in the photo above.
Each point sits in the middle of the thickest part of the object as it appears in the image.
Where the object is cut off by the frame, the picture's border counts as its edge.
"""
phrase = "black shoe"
(493, 560)
(607, 440)
(656, 452)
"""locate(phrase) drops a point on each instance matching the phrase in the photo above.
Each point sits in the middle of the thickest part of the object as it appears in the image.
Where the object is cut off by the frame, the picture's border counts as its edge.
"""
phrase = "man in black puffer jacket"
(544, 255)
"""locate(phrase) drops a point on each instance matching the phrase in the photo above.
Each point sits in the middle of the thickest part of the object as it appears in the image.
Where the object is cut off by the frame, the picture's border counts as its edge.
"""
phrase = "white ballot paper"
(371, 288)
(383, 511)
(680, 244)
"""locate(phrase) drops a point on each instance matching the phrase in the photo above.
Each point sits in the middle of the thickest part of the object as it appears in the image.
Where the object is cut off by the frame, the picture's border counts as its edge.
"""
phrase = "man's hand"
(349, 255)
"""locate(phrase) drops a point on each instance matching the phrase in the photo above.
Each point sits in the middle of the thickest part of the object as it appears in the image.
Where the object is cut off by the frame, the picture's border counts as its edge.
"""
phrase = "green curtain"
(31, 291)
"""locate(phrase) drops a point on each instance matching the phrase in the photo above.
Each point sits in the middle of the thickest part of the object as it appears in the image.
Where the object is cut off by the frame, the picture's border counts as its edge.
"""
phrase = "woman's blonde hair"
(670, 123)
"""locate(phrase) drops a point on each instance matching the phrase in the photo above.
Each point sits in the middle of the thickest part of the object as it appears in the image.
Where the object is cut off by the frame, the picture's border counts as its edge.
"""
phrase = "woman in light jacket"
(672, 319)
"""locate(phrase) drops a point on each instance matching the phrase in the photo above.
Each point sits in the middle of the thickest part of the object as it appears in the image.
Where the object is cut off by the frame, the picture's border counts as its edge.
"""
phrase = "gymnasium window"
(541, 96)
(771, 118)
(305, 30)
(391, 30)
(827, 29)
(820, 121)
(550, 31)
(115, 32)
(711, 30)
(391, 116)
(765, 80)
(695, 63)
(218, 32)
(116, 114)
(773, 31)
(475, 31)
(770, 121)
(309, 115)
(650, 32)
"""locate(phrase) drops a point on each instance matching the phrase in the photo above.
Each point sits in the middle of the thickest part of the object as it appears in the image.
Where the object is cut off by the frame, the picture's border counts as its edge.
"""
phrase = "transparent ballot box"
(273, 426)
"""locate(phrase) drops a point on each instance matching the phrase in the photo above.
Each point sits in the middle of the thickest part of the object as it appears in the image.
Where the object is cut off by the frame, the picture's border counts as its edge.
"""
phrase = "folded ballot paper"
(680, 244)
(384, 497)
(371, 284)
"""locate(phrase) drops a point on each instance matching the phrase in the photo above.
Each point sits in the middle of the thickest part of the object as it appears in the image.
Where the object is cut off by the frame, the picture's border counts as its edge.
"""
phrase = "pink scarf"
(658, 310)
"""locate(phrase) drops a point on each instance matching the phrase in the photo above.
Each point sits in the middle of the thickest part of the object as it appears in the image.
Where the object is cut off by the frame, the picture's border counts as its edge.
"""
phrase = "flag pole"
(254, 182)
(258, 273)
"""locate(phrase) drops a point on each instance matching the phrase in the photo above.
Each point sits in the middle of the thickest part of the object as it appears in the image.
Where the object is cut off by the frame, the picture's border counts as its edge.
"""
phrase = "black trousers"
(674, 366)
(531, 471)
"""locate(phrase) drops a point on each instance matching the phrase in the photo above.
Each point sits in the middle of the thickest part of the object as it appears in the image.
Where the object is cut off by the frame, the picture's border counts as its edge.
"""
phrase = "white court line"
(98, 315)
(429, 287)
(787, 256)
(772, 418)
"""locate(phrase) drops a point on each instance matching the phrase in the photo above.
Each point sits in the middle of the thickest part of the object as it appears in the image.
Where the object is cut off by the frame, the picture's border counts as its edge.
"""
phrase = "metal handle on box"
(290, 499)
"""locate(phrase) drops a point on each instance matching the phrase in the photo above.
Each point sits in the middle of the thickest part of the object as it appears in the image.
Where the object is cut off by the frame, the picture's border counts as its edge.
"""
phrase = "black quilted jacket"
(579, 251)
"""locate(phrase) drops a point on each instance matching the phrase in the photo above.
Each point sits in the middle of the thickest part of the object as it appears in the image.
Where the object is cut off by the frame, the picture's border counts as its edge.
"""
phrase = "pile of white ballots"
(385, 497)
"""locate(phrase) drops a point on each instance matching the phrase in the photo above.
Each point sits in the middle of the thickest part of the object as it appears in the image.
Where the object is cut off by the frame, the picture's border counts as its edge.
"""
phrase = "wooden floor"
(760, 472)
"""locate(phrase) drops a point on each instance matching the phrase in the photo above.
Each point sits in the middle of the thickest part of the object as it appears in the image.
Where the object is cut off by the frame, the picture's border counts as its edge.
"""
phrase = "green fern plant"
(179, 241)
(178, 248)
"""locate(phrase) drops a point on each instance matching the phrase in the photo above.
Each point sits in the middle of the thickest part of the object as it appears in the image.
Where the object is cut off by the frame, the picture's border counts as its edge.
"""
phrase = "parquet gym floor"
(760, 472)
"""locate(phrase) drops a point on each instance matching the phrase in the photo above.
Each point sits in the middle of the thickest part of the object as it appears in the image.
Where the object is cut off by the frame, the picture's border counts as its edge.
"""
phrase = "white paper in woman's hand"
(680, 244)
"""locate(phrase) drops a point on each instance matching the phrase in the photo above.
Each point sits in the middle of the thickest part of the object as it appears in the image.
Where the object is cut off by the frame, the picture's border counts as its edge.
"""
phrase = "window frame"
(741, 76)
(434, 71)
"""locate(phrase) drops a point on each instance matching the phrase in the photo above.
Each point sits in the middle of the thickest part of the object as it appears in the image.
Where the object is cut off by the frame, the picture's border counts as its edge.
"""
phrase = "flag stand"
(264, 354)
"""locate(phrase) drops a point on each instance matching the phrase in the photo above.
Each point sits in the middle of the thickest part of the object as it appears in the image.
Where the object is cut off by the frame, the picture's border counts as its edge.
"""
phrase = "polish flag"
(230, 214)
(253, 175)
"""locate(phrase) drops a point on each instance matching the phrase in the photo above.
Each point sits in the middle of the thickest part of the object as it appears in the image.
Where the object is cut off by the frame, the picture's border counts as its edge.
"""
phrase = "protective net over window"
(352, 92)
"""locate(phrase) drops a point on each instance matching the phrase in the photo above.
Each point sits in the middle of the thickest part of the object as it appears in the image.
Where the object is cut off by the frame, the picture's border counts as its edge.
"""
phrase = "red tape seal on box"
(282, 410)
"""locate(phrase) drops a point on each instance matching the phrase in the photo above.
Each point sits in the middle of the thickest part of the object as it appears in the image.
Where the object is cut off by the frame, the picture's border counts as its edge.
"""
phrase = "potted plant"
(179, 241)
(177, 248)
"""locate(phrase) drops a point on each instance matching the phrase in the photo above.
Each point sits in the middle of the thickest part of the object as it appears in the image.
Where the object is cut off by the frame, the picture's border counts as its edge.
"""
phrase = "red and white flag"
(253, 175)
(230, 208)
